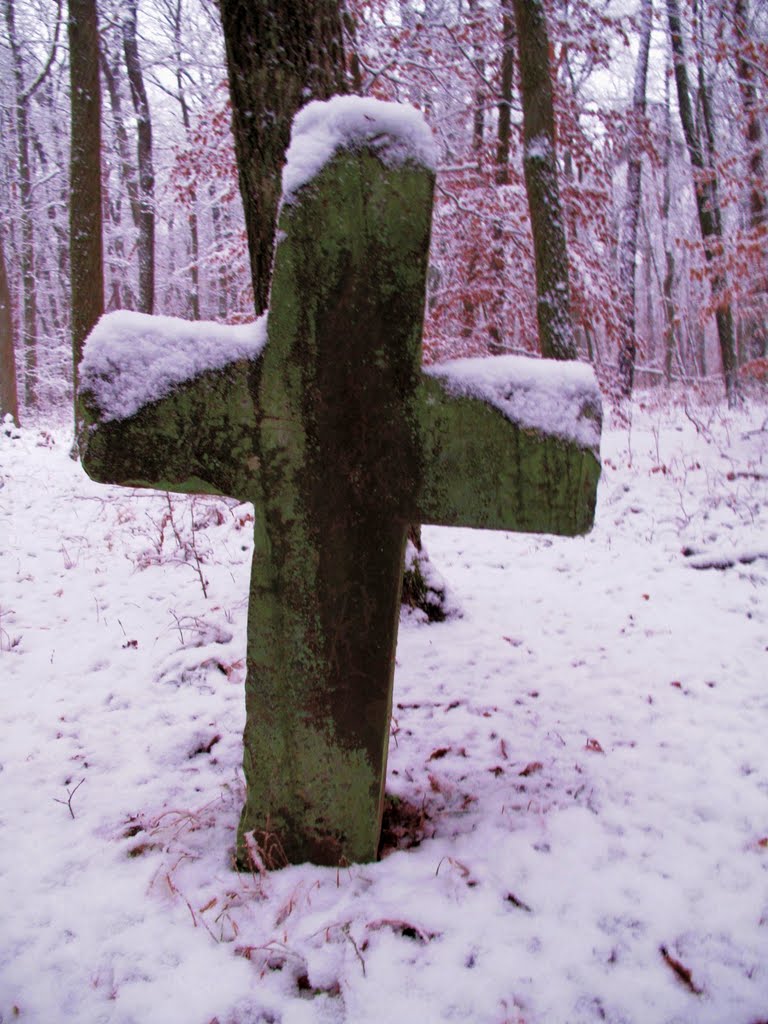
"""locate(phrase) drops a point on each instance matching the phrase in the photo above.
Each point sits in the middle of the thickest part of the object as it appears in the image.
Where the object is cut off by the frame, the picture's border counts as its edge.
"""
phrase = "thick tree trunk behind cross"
(279, 56)
(277, 60)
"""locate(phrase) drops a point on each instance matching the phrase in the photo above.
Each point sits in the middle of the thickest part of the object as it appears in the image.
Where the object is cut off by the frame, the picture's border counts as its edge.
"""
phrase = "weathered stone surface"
(482, 470)
(340, 441)
(338, 449)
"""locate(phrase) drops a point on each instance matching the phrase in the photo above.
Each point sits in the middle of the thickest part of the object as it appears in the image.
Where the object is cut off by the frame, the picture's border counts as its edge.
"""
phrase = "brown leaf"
(682, 972)
(531, 768)
(594, 746)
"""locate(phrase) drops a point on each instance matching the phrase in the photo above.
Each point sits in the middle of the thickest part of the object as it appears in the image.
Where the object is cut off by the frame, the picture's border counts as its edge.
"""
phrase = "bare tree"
(705, 186)
(9, 401)
(671, 332)
(174, 14)
(85, 233)
(24, 94)
(628, 249)
(747, 64)
(505, 92)
(120, 292)
(556, 337)
(146, 242)
(475, 16)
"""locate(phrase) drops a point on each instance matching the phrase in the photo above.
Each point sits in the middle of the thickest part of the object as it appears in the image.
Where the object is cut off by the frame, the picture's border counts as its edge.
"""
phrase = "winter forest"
(659, 123)
(573, 799)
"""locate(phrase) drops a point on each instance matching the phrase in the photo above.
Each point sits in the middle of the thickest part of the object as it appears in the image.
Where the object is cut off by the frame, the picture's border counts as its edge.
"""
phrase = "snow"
(558, 397)
(582, 754)
(397, 132)
(538, 148)
(133, 358)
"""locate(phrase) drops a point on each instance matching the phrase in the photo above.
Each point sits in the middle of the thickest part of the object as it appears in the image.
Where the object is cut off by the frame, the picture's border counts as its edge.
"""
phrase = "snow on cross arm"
(132, 358)
(558, 397)
(397, 132)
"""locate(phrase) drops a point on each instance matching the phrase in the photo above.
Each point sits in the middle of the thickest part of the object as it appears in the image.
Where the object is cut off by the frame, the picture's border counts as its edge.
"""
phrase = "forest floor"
(578, 778)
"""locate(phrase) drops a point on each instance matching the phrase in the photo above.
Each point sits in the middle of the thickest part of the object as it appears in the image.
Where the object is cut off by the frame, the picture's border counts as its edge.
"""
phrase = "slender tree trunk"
(9, 401)
(146, 246)
(176, 15)
(478, 83)
(553, 307)
(222, 281)
(628, 249)
(756, 326)
(27, 234)
(671, 341)
(707, 204)
(277, 60)
(85, 228)
(497, 340)
(127, 169)
(121, 294)
(505, 92)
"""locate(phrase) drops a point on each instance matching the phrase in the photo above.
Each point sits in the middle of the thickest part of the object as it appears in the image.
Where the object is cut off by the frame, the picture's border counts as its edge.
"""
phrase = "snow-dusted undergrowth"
(582, 756)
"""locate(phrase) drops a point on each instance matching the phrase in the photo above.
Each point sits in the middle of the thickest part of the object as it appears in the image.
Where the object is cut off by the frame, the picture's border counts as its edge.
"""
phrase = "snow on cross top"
(557, 397)
(397, 132)
(131, 358)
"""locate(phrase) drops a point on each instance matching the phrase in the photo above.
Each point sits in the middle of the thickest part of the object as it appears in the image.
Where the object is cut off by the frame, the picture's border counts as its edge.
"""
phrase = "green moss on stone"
(340, 443)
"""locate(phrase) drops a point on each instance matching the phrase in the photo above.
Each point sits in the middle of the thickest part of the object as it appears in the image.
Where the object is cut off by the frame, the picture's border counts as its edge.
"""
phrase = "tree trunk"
(755, 328)
(9, 402)
(556, 337)
(221, 276)
(176, 17)
(707, 205)
(628, 250)
(127, 170)
(505, 93)
(277, 60)
(478, 84)
(27, 239)
(146, 246)
(85, 227)
(120, 292)
(671, 341)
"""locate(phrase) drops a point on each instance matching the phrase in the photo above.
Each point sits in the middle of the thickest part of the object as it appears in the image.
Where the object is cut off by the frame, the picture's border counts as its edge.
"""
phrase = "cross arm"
(199, 438)
(509, 443)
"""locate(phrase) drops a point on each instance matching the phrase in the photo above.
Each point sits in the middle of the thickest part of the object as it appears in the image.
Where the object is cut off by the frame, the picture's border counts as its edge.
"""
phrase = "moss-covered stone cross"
(340, 440)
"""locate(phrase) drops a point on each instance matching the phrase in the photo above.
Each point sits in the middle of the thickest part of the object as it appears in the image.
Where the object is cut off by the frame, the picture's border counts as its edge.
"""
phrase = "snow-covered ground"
(581, 759)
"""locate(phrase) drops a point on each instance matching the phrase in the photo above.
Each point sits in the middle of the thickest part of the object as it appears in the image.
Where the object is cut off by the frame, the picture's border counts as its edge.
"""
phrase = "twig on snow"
(68, 801)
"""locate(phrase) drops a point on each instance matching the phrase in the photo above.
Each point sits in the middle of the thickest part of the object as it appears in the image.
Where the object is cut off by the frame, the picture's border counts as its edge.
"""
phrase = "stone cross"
(340, 440)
